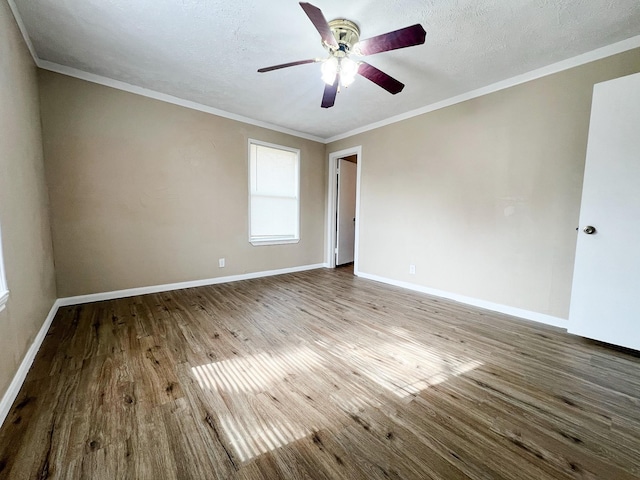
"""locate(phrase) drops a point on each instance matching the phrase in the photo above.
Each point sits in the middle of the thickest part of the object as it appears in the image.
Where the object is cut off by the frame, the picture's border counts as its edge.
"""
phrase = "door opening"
(346, 210)
(343, 207)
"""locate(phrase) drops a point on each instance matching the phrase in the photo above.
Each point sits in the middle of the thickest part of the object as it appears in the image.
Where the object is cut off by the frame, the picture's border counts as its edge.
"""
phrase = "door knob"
(589, 230)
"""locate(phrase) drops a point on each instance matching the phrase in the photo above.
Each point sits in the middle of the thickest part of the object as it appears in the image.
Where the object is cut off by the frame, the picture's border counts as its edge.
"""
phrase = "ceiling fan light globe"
(348, 71)
(329, 70)
(346, 81)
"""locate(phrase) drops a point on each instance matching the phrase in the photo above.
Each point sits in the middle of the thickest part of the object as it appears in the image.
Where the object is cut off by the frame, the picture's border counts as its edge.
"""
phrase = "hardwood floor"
(318, 375)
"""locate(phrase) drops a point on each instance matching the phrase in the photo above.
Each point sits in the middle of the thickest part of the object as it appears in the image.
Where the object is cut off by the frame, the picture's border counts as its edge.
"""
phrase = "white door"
(346, 221)
(605, 300)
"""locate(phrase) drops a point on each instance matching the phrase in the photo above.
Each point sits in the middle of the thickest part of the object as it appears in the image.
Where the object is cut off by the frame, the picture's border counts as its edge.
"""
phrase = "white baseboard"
(496, 307)
(132, 292)
(14, 388)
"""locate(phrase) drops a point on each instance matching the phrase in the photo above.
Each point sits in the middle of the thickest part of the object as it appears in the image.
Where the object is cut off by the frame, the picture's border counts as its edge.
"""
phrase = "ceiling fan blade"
(330, 92)
(380, 78)
(318, 20)
(405, 37)
(290, 64)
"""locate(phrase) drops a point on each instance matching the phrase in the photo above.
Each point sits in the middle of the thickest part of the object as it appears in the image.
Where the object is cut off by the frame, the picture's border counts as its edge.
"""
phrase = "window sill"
(4, 296)
(259, 243)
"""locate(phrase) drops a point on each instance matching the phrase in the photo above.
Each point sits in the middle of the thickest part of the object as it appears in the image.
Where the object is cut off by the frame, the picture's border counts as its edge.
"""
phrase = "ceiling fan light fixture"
(329, 70)
(348, 71)
(341, 37)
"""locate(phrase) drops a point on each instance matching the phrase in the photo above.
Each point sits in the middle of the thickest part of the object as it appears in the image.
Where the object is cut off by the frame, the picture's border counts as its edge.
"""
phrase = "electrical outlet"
(412, 269)
(221, 262)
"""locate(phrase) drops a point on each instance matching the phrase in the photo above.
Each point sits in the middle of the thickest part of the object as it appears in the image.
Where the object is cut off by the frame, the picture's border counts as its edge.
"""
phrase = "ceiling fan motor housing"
(346, 34)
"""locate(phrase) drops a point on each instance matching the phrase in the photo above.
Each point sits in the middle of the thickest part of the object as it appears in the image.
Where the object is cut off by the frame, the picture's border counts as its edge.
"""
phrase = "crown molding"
(145, 92)
(163, 97)
(23, 30)
(597, 54)
(607, 51)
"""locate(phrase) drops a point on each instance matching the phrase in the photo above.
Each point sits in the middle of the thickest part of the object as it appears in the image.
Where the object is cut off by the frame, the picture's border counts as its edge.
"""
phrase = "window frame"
(4, 289)
(273, 241)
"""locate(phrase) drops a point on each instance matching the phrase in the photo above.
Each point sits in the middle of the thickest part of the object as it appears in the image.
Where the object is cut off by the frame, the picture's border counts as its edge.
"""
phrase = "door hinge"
(335, 250)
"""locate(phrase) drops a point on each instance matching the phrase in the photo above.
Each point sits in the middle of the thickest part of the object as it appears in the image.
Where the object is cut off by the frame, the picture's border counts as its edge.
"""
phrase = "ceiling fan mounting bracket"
(346, 34)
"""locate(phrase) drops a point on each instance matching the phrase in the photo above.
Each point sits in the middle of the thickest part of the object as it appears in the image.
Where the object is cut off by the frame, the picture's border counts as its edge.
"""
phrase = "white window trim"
(4, 291)
(280, 240)
(257, 242)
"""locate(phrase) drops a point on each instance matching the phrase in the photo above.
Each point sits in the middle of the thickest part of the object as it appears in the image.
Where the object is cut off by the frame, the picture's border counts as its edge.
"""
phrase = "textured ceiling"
(208, 51)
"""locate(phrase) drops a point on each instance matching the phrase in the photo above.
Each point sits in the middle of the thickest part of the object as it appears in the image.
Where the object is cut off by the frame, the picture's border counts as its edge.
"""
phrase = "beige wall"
(24, 216)
(146, 193)
(484, 196)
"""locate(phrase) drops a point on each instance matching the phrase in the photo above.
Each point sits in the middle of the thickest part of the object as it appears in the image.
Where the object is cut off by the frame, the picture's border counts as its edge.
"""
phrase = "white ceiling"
(208, 51)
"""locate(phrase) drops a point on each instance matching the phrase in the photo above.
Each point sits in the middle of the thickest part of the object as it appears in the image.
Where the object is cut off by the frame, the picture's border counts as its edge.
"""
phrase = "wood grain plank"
(318, 375)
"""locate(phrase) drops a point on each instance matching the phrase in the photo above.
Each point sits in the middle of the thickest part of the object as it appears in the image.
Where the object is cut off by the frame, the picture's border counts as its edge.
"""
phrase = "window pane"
(274, 204)
(274, 216)
(274, 172)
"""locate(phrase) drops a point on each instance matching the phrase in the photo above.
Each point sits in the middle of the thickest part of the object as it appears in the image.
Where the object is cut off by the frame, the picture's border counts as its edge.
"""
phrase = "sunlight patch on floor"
(255, 427)
(404, 368)
(255, 423)
(416, 388)
(252, 439)
(256, 372)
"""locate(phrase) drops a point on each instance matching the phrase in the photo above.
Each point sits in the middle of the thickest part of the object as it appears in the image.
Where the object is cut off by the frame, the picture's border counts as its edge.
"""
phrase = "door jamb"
(330, 256)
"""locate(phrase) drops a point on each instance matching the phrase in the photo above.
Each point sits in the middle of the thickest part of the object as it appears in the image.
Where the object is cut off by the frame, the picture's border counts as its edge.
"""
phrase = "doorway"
(346, 210)
(343, 203)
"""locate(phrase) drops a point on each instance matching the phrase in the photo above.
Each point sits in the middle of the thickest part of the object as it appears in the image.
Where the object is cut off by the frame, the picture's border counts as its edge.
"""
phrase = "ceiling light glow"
(348, 71)
(330, 70)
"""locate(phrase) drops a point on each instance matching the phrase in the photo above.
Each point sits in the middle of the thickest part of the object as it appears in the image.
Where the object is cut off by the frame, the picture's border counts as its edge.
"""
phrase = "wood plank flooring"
(318, 375)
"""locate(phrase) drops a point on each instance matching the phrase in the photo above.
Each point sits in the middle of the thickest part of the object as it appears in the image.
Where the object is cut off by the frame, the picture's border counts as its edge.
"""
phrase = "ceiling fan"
(341, 38)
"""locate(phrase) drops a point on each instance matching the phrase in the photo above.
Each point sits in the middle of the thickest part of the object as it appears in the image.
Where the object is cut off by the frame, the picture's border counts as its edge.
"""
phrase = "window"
(274, 200)
(4, 292)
